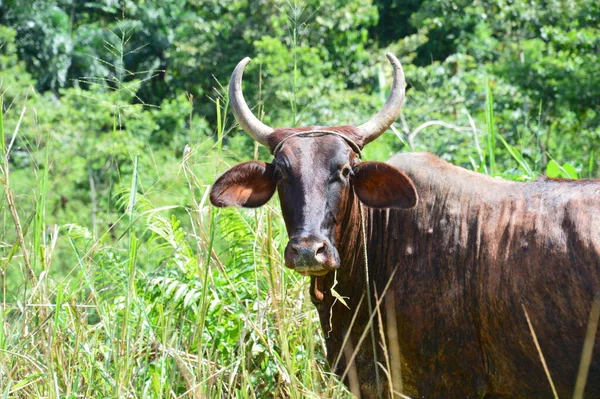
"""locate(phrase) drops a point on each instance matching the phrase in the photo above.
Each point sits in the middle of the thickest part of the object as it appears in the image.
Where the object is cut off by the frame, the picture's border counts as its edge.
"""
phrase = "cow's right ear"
(249, 184)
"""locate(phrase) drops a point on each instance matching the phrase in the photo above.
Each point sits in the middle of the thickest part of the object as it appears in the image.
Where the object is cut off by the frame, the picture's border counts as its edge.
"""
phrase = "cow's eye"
(346, 171)
(280, 173)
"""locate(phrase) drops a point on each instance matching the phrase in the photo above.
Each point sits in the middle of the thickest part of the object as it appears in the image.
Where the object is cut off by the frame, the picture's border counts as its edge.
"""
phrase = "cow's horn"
(378, 124)
(250, 123)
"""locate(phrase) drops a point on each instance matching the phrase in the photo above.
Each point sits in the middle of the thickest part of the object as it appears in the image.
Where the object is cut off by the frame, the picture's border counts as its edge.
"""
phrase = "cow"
(449, 283)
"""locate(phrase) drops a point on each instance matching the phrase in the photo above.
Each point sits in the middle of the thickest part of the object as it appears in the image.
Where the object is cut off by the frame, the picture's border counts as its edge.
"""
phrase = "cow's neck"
(350, 276)
(348, 282)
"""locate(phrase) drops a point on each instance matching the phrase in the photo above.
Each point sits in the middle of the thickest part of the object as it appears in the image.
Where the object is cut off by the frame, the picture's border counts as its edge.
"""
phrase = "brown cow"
(453, 273)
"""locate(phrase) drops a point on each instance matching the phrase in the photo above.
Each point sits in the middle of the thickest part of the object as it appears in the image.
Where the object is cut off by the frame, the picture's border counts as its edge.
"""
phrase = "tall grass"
(169, 301)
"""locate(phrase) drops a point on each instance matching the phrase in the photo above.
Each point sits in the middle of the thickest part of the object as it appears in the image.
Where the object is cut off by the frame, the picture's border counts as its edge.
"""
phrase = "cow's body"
(458, 261)
(467, 263)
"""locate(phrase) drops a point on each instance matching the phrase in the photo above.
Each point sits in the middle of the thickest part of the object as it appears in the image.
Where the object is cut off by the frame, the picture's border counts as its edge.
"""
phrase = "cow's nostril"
(321, 248)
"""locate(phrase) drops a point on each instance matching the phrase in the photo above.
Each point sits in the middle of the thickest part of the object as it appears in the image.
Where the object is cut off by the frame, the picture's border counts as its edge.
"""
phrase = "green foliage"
(15, 80)
(44, 40)
(547, 50)
(319, 62)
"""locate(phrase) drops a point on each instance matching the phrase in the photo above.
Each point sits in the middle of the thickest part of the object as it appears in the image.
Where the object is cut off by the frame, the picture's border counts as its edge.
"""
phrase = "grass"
(169, 301)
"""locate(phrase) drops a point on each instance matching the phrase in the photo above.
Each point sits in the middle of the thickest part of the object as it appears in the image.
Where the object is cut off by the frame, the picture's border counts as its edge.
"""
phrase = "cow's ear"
(380, 185)
(249, 184)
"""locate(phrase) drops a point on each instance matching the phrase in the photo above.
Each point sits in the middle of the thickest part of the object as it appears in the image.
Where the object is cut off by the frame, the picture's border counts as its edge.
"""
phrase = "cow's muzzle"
(311, 254)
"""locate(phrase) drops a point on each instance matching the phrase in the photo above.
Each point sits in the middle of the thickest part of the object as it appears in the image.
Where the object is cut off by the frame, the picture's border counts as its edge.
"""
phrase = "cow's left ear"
(249, 184)
(381, 185)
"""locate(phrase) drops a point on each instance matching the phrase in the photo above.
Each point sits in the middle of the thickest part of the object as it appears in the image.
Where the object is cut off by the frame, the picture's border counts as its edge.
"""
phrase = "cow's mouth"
(313, 271)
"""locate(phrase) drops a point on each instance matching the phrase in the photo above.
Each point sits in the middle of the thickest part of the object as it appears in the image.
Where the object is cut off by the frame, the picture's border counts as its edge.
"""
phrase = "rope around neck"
(317, 133)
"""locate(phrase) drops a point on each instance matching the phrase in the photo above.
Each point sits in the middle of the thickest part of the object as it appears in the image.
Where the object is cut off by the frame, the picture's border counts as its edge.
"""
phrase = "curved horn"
(250, 123)
(378, 124)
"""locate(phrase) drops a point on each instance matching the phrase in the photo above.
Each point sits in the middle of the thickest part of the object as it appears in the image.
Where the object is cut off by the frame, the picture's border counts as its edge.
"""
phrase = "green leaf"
(570, 171)
(553, 169)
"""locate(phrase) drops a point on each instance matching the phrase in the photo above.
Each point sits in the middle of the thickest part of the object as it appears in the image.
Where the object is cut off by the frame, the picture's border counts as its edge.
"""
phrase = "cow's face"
(315, 177)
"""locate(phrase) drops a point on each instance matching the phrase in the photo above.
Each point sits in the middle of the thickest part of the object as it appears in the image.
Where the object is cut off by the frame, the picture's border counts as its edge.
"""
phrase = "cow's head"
(316, 172)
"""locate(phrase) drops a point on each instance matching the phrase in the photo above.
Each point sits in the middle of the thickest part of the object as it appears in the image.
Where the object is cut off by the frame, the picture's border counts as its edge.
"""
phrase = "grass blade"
(539, 349)
(1, 127)
(514, 153)
(491, 136)
(588, 348)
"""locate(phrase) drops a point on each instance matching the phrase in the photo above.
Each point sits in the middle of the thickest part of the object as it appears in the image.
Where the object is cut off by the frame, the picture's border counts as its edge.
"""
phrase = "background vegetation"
(119, 280)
